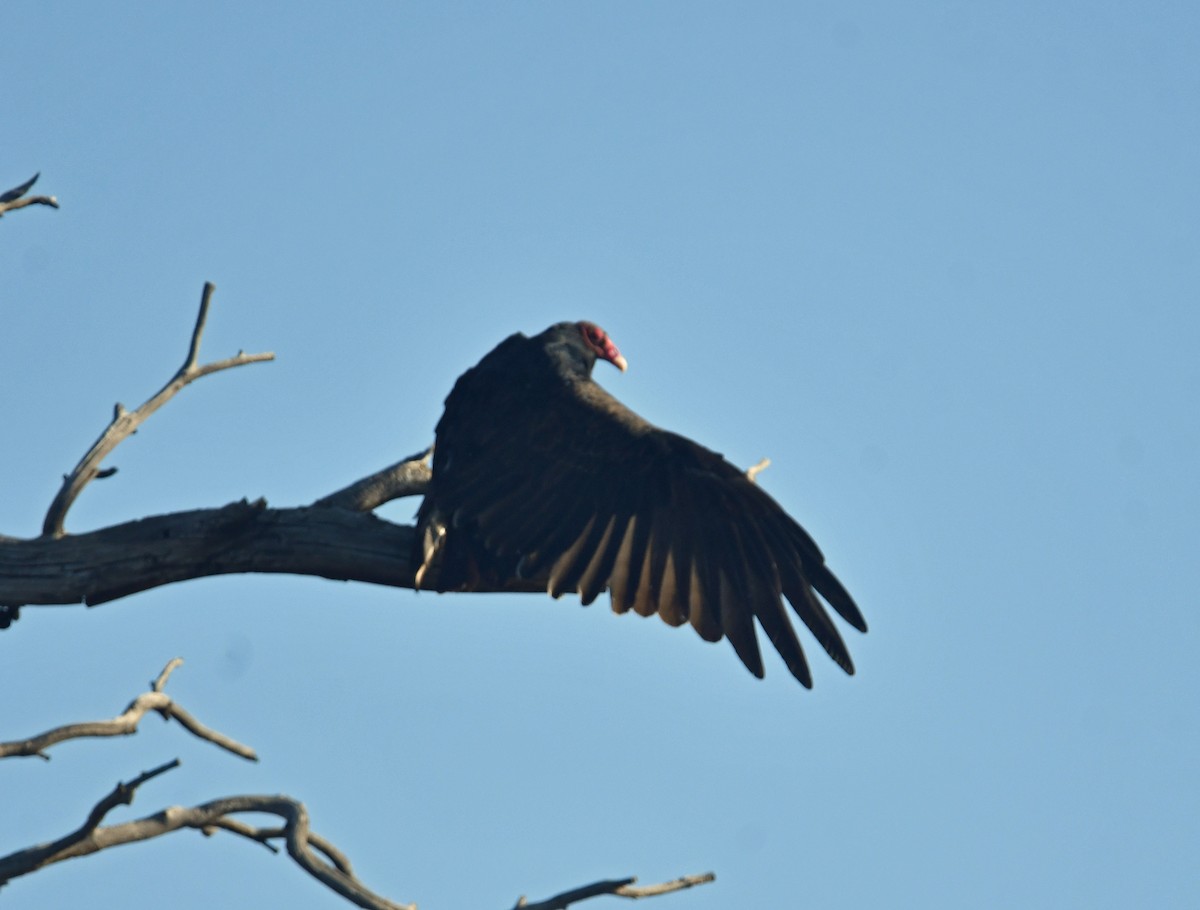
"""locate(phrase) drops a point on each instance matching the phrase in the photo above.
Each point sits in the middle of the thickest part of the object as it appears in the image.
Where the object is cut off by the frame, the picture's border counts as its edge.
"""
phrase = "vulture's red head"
(601, 345)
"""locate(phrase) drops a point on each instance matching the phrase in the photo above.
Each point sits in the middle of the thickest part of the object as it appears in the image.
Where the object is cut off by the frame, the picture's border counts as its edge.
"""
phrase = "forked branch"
(216, 815)
(315, 855)
(125, 423)
(126, 724)
(312, 853)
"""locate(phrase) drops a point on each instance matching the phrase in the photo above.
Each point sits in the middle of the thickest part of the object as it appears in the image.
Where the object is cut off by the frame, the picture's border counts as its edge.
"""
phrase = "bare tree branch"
(126, 724)
(335, 538)
(679, 884)
(160, 681)
(34, 858)
(12, 199)
(208, 817)
(622, 887)
(323, 540)
(242, 537)
(315, 855)
(302, 845)
(125, 423)
(407, 477)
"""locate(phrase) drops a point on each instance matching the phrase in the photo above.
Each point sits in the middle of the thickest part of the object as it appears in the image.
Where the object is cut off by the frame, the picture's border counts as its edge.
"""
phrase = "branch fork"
(126, 724)
(125, 423)
(312, 853)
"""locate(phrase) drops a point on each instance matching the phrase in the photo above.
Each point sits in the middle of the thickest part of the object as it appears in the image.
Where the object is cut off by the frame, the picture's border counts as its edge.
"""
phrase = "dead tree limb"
(336, 537)
(305, 847)
(315, 855)
(126, 724)
(125, 423)
(209, 817)
(16, 199)
(242, 537)
(33, 858)
(621, 887)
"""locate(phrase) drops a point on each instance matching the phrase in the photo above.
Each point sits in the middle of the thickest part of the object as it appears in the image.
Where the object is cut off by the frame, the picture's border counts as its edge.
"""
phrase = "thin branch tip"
(198, 332)
(619, 887)
(753, 471)
(15, 198)
(161, 680)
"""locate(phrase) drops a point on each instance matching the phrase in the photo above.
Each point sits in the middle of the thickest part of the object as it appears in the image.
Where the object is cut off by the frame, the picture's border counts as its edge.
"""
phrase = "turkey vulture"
(540, 476)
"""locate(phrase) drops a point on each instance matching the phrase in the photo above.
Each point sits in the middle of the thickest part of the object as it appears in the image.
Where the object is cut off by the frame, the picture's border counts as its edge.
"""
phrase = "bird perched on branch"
(539, 475)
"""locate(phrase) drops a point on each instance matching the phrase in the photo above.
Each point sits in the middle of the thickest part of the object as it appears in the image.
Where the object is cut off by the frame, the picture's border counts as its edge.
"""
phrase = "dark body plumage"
(538, 473)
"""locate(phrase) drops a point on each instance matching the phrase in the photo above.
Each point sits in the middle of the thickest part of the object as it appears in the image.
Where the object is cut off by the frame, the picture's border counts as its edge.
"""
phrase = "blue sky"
(938, 261)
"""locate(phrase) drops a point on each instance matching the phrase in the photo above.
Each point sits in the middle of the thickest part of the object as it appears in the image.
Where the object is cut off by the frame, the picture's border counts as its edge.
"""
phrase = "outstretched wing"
(558, 481)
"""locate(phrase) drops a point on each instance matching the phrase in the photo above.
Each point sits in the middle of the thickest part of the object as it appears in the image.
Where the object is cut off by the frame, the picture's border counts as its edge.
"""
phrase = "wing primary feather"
(836, 596)
(798, 590)
(595, 575)
(771, 613)
(812, 615)
(685, 521)
(704, 591)
(818, 574)
(701, 598)
(627, 570)
(701, 544)
(758, 597)
(645, 601)
(728, 604)
(564, 577)
(617, 582)
(668, 600)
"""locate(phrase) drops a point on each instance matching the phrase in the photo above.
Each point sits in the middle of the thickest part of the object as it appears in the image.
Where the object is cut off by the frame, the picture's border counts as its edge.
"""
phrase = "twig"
(32, 858)
(160, 681)
(264, 836)
(208, 817)
(621, 887)
(121, 795)
(126, 724)
(754, 470)
(679, 884)
(12, 199)
(125, 423)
